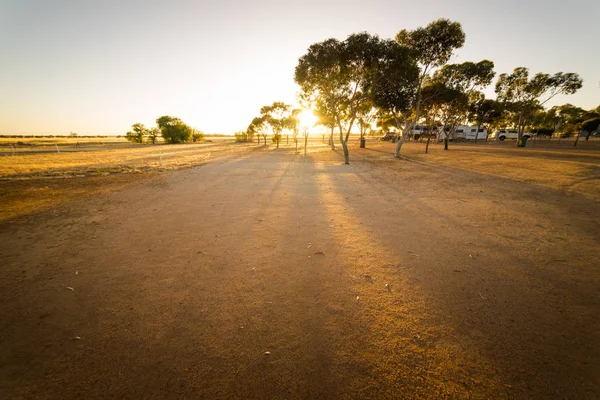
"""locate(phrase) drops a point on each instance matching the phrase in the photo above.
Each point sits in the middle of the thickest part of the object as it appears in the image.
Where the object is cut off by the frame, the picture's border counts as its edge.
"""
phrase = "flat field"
(256, 272)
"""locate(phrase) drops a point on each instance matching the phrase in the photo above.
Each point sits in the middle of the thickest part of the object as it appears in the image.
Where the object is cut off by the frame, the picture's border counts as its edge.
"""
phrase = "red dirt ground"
(281, 276)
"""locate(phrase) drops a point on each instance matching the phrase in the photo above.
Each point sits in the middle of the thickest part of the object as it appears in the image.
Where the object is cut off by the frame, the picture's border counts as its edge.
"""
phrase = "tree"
(589, 126)
(468, 76)
(384, 121)
(197, 135)
(276, 116)
(325, 120)
(137, 134)
(334, 73)
(257, 127)
(393, 85)
(242, 136)
(365, 116)
(450, 103)
(486, 113)
(173, 129)
(431, 47)
(292, 122)
(456, 86)
(153, 134)
(523, 95)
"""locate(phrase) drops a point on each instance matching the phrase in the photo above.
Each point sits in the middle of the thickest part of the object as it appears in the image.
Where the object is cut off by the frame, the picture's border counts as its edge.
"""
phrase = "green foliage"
(433, 45)
(137, 134)
(365, 116)
(485, 112)
(173, 130)
(256, 127)
(242, 136)
(392, 85)
(276, 116)
(451, 102)
(468, 76)
(197, 136)
(153, 134)
(276, 138)
(337, 77)
(518, 88)
(292, 121)
(523, 96)
(590, 125)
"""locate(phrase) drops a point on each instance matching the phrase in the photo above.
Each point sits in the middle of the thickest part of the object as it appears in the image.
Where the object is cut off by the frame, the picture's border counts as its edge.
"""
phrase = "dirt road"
(282, 276)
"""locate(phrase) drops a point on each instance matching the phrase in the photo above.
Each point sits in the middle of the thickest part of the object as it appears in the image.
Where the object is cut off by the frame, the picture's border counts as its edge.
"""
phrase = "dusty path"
(361, 281)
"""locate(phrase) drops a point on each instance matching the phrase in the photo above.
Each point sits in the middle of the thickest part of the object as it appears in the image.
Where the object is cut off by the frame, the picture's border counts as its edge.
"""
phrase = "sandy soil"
(270, 275)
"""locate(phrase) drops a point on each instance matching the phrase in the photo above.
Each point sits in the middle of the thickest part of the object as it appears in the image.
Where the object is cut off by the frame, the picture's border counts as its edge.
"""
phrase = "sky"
(97, 67)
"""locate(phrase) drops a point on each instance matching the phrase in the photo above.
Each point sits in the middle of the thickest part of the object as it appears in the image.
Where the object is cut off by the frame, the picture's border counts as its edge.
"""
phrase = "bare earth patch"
(269, 274)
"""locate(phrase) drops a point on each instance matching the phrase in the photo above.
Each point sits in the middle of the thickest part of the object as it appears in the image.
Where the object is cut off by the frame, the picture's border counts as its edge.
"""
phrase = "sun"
(307, 118)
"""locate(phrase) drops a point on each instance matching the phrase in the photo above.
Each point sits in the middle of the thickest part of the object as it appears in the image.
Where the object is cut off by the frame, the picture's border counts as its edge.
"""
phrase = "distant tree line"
(401, 82)
(172, 129)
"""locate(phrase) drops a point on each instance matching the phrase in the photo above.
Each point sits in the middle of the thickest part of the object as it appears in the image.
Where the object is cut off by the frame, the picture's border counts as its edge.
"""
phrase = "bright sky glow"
(97, 67)
(307, 119)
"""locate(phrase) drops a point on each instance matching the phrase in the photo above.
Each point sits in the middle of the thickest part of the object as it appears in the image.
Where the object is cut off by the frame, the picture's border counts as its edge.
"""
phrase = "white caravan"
(464, 132)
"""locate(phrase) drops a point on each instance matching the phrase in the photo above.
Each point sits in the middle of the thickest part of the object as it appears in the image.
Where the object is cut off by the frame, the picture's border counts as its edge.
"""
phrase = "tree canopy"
(523, 96)
(173, 130)
(434, 44)
(137, 133)
(339, 76)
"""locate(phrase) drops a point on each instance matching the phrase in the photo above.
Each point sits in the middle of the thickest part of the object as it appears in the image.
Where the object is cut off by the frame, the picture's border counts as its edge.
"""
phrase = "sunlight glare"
(307, 119)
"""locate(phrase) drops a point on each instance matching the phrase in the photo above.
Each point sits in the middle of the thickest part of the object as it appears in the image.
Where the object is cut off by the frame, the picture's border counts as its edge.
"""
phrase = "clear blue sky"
(97, 67)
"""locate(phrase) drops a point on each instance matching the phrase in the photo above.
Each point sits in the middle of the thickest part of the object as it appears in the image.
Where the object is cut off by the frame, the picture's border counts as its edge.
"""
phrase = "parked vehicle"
(463, 132)
(504, 134)
(388, 136)
(419, 131)
(473, 132)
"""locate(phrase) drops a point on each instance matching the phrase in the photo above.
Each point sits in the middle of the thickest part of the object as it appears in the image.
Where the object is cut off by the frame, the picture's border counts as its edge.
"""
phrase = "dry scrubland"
(466, 274)
(34, 177)
(29, 179)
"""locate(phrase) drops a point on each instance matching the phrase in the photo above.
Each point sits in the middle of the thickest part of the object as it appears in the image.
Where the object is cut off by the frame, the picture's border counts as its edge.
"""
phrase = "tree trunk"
(331, 138)
(344, 144)
(402, 137)
(427, 145)
(576, 140)
(446, 142)
(399, 144)
(346, 154)
(520, 130)
(305, 142)
(265, 137)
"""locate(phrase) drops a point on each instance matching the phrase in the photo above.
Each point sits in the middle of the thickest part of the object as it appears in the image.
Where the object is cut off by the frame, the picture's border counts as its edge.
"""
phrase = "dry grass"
(39, 180)
(130, 158)
(24, 142)
(28, 180)
(575, 170)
